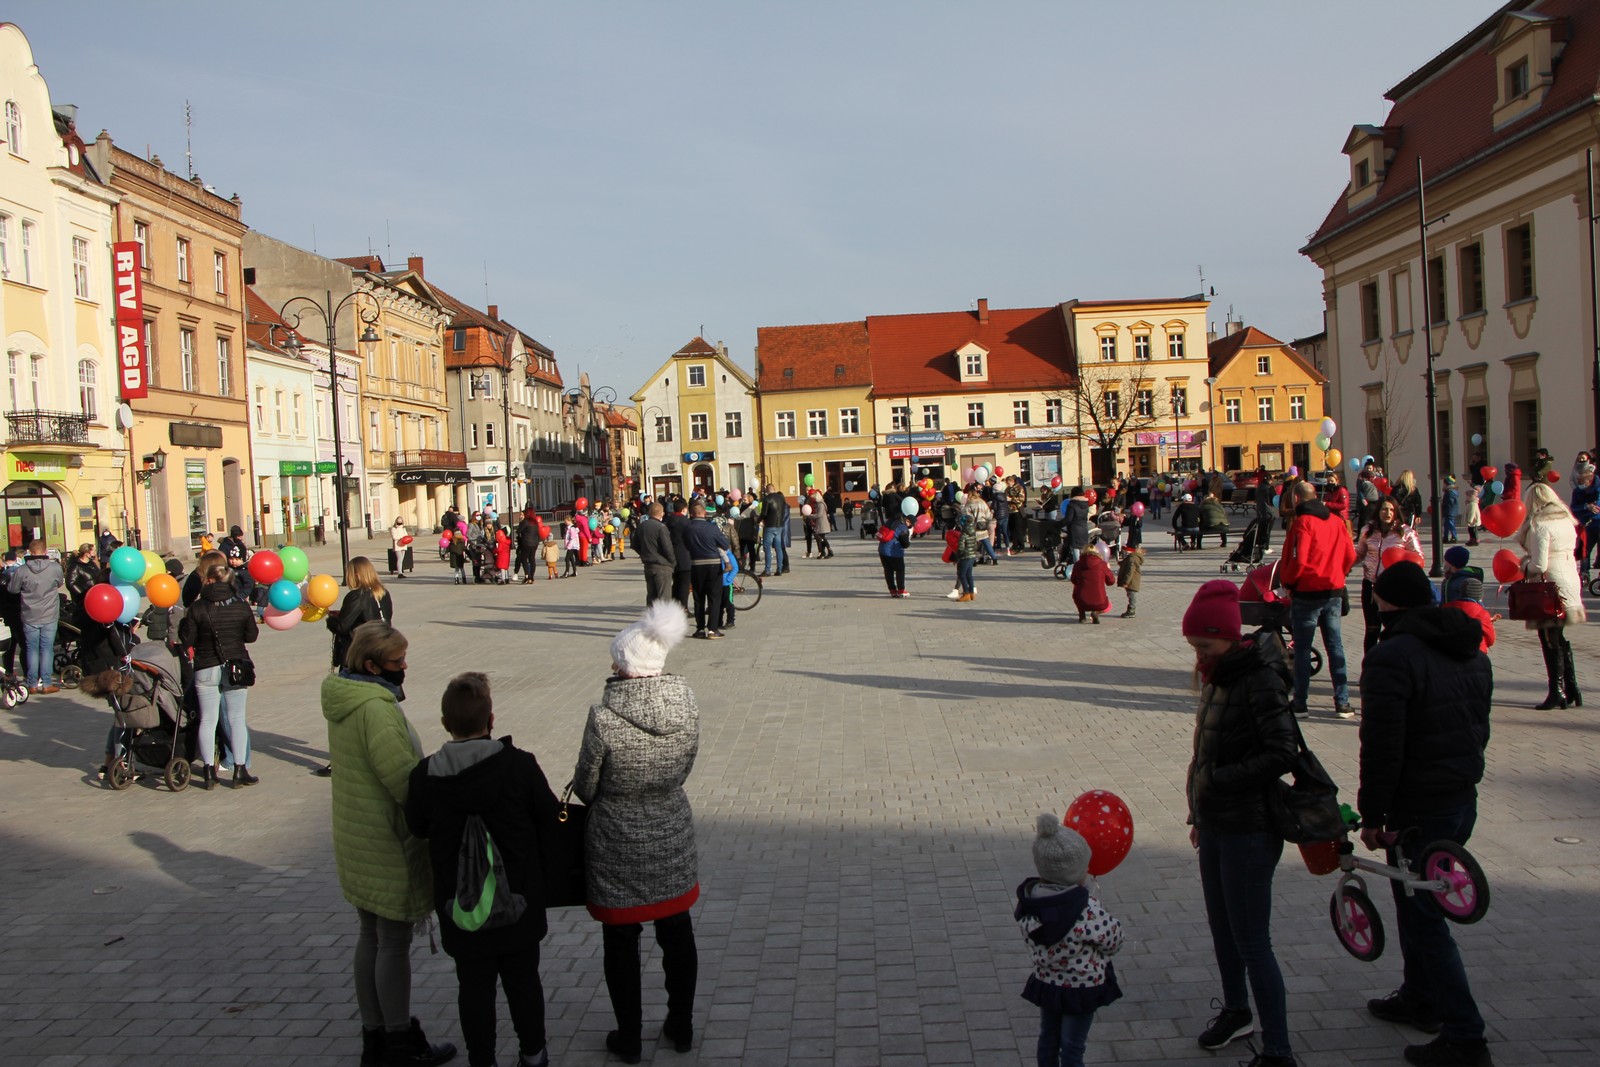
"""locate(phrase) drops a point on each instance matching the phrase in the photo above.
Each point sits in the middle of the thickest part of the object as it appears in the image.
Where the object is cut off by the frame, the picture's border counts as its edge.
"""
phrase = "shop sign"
(128, 285)
(435, 477)
(194, 475)
(931, 438)
(21, 467)
(921, 452)
(1039, 448)
(294, 468)
(327, 466)
(1185, 437)
(690, 457)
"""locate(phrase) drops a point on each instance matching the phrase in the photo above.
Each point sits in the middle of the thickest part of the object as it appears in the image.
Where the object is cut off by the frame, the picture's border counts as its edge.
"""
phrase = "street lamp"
(1211, 416)
(648, 486)
(329, 311)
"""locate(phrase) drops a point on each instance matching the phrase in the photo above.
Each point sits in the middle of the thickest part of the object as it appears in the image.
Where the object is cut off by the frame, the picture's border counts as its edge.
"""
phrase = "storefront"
(915, 462)
(194, 484)
(34, 509)
(294, 494)
(1038, 462)
(424, 494)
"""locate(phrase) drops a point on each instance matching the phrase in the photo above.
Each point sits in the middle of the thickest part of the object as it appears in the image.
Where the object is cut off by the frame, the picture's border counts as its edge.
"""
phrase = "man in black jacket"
(1075, 523)
(775, 523)
(676, 520)
(652, 543)
(528, 542)
(704, 544)
(1425, 695)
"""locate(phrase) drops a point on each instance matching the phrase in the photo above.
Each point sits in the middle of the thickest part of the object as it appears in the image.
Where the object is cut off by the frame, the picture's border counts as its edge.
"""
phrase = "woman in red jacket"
(1338, 500)
(1090, 578)
(502, 553)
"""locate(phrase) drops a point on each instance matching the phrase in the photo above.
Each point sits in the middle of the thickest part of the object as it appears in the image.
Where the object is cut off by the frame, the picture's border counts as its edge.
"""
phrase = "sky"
(620, 177)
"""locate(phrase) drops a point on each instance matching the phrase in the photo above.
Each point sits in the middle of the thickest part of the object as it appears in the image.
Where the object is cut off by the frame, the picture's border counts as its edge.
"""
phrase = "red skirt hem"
(645, 913)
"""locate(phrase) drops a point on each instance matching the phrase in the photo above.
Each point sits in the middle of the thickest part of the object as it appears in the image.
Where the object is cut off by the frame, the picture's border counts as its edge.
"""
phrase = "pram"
(1252, 547)
(13, 690)
(871, 515)
(1265, 605)
(152, 727)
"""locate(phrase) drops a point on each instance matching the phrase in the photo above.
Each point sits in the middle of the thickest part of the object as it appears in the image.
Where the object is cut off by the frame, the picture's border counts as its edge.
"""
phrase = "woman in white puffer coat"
(1550, 537)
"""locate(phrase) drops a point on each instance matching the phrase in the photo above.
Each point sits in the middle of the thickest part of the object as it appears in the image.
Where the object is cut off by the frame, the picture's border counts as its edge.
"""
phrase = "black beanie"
(1405, 585)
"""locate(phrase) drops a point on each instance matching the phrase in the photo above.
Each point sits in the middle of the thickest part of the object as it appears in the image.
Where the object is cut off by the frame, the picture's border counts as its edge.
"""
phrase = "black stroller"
(1252, 547)
(152, 727)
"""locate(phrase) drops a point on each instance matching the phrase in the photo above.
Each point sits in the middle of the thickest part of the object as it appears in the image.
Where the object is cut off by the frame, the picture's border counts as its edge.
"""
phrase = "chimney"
(414, 265)
(1234, 327)
(1211, 333)
(983, 309)
(494, 309)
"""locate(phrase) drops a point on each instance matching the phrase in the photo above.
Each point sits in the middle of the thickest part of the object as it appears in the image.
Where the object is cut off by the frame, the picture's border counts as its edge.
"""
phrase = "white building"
(699, 424)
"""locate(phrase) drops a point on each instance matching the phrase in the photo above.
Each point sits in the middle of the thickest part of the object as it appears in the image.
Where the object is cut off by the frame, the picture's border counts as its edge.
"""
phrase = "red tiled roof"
(1443, 112)
(369, 263)
(263, 325)
(697, 347)
(1222, 351)
(823, 356)
(914, 355)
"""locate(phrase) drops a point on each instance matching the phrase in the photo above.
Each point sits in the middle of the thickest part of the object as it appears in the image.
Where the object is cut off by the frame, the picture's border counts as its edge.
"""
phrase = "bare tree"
(1109, 402)
(1389, 426)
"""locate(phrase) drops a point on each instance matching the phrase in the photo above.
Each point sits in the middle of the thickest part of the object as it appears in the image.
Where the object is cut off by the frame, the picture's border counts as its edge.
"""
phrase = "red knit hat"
(1214, 611)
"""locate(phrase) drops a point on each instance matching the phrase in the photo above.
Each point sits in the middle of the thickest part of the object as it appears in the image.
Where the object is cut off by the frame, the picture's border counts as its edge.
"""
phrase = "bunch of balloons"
(1106, 824)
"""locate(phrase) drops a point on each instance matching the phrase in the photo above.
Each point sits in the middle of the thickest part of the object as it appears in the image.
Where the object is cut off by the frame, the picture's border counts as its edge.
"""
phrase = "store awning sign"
(128, 285)
(920, 452)
(294, 468)
(21, 467)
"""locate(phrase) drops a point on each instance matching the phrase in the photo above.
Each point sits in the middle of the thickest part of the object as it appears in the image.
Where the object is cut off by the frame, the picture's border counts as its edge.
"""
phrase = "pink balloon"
(1137, 509)
(735, 495)
(283, 620)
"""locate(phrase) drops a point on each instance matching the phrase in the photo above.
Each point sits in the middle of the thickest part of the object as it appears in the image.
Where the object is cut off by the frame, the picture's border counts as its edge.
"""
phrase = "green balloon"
(296, 567)
(624, 513)
(811, 480)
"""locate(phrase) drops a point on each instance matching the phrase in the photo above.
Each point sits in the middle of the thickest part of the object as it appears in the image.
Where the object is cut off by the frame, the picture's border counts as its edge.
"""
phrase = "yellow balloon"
(1333, 458)
(313, 614)
(322, 591)
(153, 565)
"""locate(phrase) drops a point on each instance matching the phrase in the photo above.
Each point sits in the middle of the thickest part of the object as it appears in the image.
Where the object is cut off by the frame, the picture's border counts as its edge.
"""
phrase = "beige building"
(698, 418)
(817, 416)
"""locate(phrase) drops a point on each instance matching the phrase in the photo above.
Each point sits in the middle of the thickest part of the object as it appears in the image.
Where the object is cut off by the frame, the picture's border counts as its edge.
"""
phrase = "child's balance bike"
(1442, 869)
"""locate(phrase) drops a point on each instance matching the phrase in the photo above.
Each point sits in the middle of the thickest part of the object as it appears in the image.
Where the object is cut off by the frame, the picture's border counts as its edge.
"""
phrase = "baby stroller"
(870, 517)
(1252, 547)
(1265, 605)
(13, 690)
(152, 727)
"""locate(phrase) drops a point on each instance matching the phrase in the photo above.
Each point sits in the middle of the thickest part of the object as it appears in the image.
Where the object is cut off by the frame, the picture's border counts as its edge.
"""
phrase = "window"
(458, 339)
(1180, 400)
(186, 358)
(1141, 346)
(817, 423)
(975, 414)
(1517, 79)
(1371, 322)
(930, 416)
(80, 269)
(974, 364)
(733, 424)
(13, 128)
(11, 378)
(1020, 413)
(394, 358)
(1472, 299)
(27, 252)
(219, 271)
(1232, 409)
(1519, 263)
(785, 424)
(373, 441)
(480, 385)
(1363, 174)
(5, 245)
(697, 376)
(88, 394)
(1264, 408)
(36, 382)
(141, 234)
(183, 260)
(150, 350)
(320, 416)
(488, 435)
(1263, 364)
(1112, 400)
(277, 410)
(224, 367)
(1108, 349)
(474, 444)
(1297, 408)
(261, 408)
(1145, 402)
(663, 428)
(900, 417)
(1052, 411)
(849, 421)
(1175, 345)
(298, 414)
(699, 427)
(1437, 311)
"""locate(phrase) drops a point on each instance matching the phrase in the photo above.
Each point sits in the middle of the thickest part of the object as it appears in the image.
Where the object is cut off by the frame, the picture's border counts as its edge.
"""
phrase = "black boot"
(242, 776)
(410, 1048)
(1556, 697)
(1569, 672)
(372, 1046)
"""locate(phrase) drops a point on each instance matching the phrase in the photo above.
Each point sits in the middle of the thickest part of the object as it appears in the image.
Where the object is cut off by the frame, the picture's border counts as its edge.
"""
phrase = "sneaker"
(713, 635)
(1230, 1024)
(1345, 711)
(700, 635)
(954, 594)
(1450, 1052)
(1298, 708)
(1404, 1008)
(905, 595)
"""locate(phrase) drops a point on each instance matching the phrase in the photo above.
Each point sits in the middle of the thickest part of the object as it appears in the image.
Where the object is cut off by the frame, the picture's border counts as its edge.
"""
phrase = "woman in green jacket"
(383, 870)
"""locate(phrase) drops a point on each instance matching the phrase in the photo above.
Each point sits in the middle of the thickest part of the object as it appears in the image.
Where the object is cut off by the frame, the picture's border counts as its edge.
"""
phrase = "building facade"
(817, 415)
(1499, 123)
(1266, 405)
(698, 420)
(627, 463)
(65, 470)
(546, 467)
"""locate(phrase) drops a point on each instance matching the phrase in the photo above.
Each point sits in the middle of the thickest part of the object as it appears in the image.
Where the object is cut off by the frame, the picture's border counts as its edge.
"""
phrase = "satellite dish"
(124, 418)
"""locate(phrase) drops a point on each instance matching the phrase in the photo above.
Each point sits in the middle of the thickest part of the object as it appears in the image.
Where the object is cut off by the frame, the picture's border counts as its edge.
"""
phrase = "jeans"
(680, 963)
(1306, 616)
(894, 572)
(1236, 877)
(383, 972)
(964, 575)
(1190, 535)
(1433, 973)
(1063, 1037)
(772, 544)
(39, 644)
(518, 973)
(216, 698)
(986, 546)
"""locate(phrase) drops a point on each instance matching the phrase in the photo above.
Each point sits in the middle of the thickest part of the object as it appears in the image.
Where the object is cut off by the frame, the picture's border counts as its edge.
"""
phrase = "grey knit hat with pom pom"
(1060, 855)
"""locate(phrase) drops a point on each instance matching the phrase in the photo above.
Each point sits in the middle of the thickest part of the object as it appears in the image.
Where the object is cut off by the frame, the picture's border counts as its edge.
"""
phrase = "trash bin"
(320, 533)
(1042, 532)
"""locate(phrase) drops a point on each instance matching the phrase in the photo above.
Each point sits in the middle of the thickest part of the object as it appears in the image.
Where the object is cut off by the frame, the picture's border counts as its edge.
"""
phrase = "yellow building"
(1267, 405)
(697, 416)
(63, 453)
(816, 409)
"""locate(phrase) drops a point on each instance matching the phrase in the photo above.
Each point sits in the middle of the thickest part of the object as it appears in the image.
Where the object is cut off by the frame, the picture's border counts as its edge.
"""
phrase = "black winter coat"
(1076, 519)
(1425, 695)
(652, 543)
(218, 626)
(675, 526)
(1244, 737)
(359, 606)
(510, 792)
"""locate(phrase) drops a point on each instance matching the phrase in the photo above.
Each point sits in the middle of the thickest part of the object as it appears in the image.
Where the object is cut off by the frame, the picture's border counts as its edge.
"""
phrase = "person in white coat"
(1549, 537)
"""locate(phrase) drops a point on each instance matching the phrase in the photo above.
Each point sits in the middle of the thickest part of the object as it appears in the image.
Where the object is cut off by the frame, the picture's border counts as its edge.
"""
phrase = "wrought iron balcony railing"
(47, 428)
(427, 457)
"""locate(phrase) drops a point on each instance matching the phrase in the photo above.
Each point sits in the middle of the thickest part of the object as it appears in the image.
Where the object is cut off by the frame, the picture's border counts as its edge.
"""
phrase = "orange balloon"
(163, 590)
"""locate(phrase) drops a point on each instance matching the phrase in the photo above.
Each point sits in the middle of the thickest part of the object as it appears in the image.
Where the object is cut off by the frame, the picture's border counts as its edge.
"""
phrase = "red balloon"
(266, 567)
(1554, 476)
(102, 602)
(1504, 518)
(581, 504)
(1055, 482)
(999, 471)
(1091, 496)
(923, 524)
(1106, 824)
(1507, 566)
(1489, 473)
(1398, 554)
(1382, 484)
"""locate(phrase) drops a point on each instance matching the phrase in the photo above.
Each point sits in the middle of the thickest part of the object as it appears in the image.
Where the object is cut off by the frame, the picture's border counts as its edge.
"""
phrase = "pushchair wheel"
(1356, 923)
(120, 774)
(1061, 571)
(71, 676)
(178, 772)
(1467, 899)
(1316, 661)
(8, 697)
(20, 692)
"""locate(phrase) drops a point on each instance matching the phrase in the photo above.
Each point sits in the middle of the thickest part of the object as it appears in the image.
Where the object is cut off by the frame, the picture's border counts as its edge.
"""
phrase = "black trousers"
(680, 963)
(1369, 615)
(518, 973)
(657, 583)
(680, 588)
(706, 580)
(894, 572)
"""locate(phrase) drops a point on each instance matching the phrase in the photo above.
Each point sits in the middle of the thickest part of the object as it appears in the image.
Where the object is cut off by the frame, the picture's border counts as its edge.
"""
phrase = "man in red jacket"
(1316, 558)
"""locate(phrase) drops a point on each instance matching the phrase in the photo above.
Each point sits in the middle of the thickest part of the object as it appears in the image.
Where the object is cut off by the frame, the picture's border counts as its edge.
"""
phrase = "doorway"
(705, 479)
(233, 493)
(1300, 458)
(34, 511)
(1142, 461)
(1524, 432)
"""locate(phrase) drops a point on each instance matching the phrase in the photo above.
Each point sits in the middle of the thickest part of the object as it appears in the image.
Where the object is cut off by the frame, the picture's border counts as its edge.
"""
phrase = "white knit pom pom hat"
(640, 650)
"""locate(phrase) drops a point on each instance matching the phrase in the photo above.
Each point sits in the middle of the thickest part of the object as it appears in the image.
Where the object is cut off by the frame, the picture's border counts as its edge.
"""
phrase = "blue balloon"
(1355, 464)
(872, 494)
(284, 595)
(908, 507)
(719, 500)
(1498, 487)
(130, 600)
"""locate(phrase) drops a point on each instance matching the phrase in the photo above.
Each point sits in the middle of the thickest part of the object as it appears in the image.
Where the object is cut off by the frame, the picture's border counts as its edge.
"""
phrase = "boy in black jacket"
(474, 774)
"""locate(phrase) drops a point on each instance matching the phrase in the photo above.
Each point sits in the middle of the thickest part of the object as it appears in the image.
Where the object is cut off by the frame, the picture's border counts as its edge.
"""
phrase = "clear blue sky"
(631, 172)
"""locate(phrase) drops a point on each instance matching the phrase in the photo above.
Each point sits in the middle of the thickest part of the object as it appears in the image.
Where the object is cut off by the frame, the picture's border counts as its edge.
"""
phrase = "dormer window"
(1517, 80)
(1525, 47)
(972, 362)
(974, 366)
(1363, 173)
(1369, 149)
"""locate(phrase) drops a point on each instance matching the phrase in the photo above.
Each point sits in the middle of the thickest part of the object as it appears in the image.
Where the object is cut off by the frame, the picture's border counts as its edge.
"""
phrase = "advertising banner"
(133, 364)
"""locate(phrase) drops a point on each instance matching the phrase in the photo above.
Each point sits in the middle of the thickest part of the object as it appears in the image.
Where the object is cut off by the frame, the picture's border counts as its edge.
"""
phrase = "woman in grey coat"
(638, 749)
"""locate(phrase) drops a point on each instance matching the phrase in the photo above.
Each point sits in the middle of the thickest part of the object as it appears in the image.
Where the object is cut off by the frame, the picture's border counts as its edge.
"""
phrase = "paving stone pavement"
(869, 771)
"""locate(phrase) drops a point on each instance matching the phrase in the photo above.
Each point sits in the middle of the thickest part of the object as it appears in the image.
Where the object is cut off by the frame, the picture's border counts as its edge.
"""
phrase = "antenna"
(188, 137)
(486, 283)
(388, 243)
(313, 237)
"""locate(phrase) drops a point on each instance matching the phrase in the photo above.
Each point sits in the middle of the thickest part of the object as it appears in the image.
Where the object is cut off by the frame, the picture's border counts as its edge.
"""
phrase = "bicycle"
(1444, 869)
(745, 590)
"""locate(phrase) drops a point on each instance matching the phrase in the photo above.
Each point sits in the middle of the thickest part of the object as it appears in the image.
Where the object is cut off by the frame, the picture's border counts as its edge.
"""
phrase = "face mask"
(394, 678)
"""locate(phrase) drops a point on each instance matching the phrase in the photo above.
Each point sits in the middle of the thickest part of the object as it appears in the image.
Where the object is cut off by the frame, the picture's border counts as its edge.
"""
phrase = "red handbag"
(1535, 601)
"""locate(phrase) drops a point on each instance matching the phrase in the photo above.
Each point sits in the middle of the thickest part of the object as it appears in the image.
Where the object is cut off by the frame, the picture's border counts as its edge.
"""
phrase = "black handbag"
(1306, 809)
(565, 883)
(236, 673)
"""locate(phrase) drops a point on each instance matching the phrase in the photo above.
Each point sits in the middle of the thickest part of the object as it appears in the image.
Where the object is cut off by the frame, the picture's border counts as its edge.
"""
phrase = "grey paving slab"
(868, 774)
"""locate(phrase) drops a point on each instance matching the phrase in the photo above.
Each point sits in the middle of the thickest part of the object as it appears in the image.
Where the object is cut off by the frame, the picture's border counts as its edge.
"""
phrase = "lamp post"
(1432, 390)
(1211, 425)
(329, 311)
(644, 453)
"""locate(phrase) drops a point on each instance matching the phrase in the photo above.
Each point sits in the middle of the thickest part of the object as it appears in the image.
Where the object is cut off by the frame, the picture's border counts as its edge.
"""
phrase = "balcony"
(430, 458)
(47, 428)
